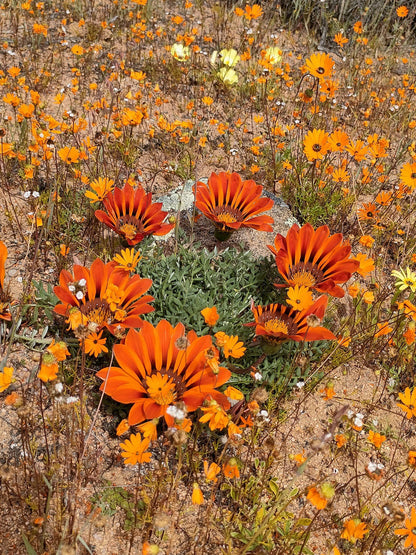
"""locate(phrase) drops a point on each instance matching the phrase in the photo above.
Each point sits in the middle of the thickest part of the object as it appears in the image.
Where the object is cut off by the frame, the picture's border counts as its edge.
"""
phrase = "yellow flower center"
(226, 218)
(97, 311)
(161, 389)
(227, 215)
(303, 277)
(129, 231)
(275, 325)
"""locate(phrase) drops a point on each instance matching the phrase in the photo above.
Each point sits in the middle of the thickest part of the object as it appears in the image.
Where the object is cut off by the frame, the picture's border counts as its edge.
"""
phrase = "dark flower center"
(316, 147)
(97, 311)
(305, 273)
(277, 325)
(129, 226)
(320, 70)
(227, 215)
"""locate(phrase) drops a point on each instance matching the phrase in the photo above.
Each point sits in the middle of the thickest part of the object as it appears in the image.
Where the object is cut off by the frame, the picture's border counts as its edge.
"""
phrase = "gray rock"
(180, 202)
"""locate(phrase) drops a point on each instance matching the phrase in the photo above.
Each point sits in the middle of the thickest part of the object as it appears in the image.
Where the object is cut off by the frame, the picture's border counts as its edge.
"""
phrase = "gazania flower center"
(228, 215)
(413, 176)
(97, 311)
(161, 389)
(316, 147)
(320, 70)
(303, 278)
(275, 325)
(130, 226)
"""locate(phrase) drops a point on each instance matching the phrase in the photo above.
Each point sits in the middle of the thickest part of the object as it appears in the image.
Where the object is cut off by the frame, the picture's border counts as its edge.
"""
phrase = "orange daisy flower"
(131, 214)
(299, 297)
(48, 368)
(276, 323)
(197, 495)
(368, 211)
(320, 65)
(354, 530)
(230, 468)
(408, 402)
(402, 11)
(409, 531)
(366, 264)
(316, 144)
(376, 439)
(319, 496)
(408, 175)
(94, 344)
(134, 450)
(313, 259)
(232, 203)
(4, 296)
(6, 378)
(338, 140)
(160, 366)
(210, 315)
(102, 296)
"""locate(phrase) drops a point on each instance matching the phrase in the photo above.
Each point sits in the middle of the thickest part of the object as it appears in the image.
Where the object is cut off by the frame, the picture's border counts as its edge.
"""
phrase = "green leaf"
(274, 487)
(28, 546)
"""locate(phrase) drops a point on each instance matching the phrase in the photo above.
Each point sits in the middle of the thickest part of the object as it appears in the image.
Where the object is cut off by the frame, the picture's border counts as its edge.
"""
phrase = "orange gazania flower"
(232, 203)
(409, 531)
(316, 144)
(131, 214)
(313, 259)
(410, 335)
(276, 323)
(408, 175)
(4, 297)
(320, 65)
(160, 366)
(102, 296)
